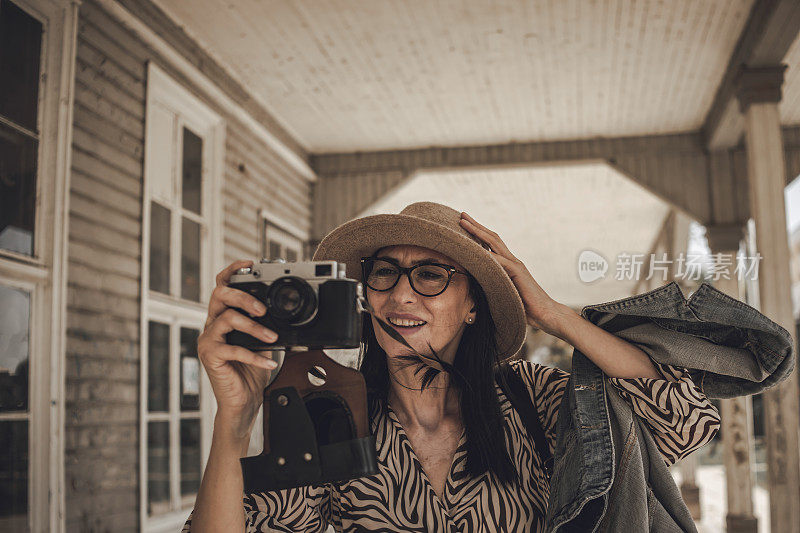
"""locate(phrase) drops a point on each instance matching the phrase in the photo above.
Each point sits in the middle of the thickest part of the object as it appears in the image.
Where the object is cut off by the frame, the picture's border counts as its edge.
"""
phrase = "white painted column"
(736, 413)
(678, 245)
(737, 441)
(759, 94)
(690, 492)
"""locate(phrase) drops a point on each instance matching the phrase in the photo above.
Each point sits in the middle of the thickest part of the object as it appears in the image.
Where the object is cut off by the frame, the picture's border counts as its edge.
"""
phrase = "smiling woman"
(453, 453)
(432, 412)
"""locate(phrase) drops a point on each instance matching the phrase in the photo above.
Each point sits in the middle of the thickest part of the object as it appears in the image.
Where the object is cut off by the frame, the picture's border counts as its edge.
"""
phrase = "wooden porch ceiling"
(355, 75)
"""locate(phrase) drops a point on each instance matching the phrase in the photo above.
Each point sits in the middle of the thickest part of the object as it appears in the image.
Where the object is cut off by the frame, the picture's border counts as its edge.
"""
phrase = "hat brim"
(361, 237)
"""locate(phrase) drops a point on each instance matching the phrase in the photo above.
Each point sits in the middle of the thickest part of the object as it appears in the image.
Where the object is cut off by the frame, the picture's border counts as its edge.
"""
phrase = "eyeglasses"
(428, 279)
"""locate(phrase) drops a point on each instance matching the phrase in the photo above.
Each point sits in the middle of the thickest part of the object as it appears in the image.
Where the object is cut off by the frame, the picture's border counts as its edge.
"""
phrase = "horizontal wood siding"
(340, 197)
(257, 178)
(104, 273)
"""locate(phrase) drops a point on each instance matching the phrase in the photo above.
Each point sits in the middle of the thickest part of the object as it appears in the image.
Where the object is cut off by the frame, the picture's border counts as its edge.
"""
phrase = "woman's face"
(445, 315)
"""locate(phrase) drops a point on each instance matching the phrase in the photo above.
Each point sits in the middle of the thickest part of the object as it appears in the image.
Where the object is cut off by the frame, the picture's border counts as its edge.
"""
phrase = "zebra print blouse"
(401, 498)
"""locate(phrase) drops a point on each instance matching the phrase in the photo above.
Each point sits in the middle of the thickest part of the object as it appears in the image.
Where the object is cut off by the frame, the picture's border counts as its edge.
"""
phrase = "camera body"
(309, 303)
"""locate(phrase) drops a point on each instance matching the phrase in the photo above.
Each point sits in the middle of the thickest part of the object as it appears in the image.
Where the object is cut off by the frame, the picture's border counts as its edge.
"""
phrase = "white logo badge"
(591, 266)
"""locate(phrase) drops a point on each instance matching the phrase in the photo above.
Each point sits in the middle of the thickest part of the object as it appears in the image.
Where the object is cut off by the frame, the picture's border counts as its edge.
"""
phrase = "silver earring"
(469, 320)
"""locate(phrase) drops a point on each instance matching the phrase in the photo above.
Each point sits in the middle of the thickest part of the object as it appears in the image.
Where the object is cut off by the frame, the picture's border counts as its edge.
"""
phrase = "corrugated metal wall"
(103, 309)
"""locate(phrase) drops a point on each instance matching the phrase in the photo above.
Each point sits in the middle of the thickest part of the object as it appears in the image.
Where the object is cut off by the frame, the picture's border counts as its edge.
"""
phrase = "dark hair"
(473, 376)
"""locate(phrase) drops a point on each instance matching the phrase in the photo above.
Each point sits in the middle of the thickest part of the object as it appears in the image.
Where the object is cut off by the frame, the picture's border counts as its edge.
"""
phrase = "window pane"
(157, 467)
(159, 248)
(190, 260)
(190, 456)
(275, 250)
(14, 475)
(15, 312)
(17, 189)
(158, 367)
(20, 47)
(192, 171)
(291, 255)
(190, 370)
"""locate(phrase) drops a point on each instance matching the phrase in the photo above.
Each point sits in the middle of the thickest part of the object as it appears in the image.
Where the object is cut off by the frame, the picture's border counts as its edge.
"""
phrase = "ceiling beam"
(673, 167)
(504, 155)
(707, 186)
(771, 28)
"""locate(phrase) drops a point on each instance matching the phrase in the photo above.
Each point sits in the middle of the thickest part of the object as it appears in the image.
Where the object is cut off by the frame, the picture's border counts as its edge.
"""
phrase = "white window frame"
(43, 275)
(163, 90)
(279, 230)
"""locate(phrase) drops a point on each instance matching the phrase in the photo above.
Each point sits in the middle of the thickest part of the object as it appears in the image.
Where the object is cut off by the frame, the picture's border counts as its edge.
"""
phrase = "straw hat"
(433, 226)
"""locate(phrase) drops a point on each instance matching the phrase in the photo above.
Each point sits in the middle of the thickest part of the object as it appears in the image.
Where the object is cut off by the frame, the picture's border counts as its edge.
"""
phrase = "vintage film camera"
(315, 410)
(310, 304)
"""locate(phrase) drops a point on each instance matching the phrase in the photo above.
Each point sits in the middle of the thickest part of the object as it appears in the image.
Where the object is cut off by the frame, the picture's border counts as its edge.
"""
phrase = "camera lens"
(291, 300)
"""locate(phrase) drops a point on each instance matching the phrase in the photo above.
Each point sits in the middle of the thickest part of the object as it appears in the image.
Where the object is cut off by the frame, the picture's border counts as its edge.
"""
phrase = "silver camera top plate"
(266, 270)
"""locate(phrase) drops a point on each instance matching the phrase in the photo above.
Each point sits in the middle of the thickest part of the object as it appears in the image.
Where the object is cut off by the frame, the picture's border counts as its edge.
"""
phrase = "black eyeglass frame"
(407, 271)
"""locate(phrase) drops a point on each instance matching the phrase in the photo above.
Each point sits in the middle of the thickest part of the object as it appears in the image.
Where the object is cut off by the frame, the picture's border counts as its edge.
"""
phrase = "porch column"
(759, 91)
(690, 492)
(737, 413)
(679, 243)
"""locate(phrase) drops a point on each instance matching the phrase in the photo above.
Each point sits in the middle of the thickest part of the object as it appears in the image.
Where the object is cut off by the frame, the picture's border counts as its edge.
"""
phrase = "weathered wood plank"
(108, 94)
(92, 53)
(252, 219)
(100, 170)
(110, 239)
(113, 282)
(106, 34)
(102, 323)
(88, 254)
(247, 248)
(93, 77)
(107, 215)
(79, 345)
(109, 368)
(234, 253)
(97, 505)
(101, 437)
(115, 134)
(104, 390)
(277, 202)
(93, 301)
(95, 190)
(243, 241)
(110, 139)
(122, 128)
(241, 137)
(260, 170)
(103, 150)
(274, 199)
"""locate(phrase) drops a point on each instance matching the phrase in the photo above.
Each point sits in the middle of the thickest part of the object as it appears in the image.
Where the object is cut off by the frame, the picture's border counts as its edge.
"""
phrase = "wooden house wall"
(104, 261)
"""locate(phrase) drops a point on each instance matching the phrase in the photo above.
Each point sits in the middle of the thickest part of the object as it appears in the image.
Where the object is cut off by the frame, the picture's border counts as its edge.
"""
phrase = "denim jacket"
(608, 474)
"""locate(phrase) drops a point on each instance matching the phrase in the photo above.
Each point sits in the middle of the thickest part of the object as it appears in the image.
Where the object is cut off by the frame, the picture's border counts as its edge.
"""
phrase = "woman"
(461, 300)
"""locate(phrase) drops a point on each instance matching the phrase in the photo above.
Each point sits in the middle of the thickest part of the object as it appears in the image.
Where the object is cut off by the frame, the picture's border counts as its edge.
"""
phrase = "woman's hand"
(238, 376)
(541, 311)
